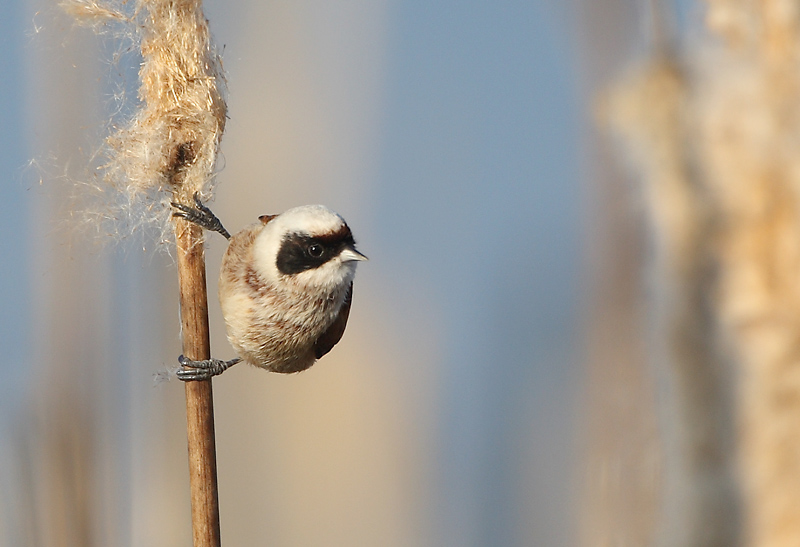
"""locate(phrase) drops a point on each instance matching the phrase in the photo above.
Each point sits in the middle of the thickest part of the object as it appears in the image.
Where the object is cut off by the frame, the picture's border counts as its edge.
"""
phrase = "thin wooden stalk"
(199, 396)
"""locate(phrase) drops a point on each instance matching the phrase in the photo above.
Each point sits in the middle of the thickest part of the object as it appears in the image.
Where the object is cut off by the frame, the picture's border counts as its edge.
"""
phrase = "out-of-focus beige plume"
(715, 145)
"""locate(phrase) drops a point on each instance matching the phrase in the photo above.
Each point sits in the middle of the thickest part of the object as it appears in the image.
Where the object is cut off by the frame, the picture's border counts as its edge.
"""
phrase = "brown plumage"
(285, 288)
(283, 307)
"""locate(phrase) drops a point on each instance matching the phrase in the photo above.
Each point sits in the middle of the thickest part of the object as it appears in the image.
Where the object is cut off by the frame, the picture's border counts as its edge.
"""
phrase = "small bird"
(285, 288)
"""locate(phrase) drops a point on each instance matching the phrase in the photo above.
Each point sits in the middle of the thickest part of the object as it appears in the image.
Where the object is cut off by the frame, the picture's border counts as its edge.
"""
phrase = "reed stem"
(199, 395)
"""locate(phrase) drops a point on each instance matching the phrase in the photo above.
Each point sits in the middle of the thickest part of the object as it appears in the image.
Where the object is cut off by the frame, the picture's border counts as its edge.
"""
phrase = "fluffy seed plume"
(167, 150)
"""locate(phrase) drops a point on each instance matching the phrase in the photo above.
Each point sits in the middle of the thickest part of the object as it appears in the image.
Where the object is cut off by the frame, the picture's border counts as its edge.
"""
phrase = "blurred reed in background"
(710, 124)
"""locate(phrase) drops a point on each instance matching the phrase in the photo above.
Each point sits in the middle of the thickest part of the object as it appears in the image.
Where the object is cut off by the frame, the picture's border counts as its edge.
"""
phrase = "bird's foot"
(191, 371)
(200, 215)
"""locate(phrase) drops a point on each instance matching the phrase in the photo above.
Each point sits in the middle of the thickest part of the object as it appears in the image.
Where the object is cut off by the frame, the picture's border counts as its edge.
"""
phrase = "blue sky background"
(14, 207)
(479, 173)
(474, 200)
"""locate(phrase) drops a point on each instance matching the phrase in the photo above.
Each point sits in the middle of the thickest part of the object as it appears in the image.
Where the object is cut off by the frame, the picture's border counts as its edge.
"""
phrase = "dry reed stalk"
(199, 397)
(167, 152)
(621, 458)
(649, 110)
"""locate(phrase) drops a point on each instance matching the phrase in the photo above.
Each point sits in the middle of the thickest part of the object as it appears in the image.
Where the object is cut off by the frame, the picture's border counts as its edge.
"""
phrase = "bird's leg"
(202, 370)
(200, 215)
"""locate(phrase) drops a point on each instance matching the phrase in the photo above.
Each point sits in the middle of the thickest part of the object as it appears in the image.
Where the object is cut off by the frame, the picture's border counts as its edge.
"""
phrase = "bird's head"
(310, 247)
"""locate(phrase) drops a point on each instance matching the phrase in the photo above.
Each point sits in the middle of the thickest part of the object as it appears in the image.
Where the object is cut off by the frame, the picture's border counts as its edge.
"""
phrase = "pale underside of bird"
(285, 288)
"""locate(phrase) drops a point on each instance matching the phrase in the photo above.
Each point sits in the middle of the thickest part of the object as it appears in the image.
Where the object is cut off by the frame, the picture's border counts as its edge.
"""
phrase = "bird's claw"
(192, 371)
(200, 215)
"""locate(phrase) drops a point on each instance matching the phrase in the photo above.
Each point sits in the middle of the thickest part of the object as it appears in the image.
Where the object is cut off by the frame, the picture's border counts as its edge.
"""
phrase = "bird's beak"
(350, 255)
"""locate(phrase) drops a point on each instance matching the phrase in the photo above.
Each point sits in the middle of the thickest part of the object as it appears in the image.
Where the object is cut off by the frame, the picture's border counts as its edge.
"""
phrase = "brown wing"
(334, 333)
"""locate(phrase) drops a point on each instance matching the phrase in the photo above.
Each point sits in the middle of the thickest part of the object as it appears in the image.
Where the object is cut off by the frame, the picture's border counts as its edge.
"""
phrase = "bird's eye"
(315, 250)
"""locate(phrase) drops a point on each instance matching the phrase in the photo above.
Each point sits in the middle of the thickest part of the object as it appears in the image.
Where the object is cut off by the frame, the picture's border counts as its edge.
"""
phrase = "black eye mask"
(301, 252)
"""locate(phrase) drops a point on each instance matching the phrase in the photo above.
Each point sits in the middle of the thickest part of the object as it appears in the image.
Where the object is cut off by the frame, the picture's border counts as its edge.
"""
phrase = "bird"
(285, 288)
